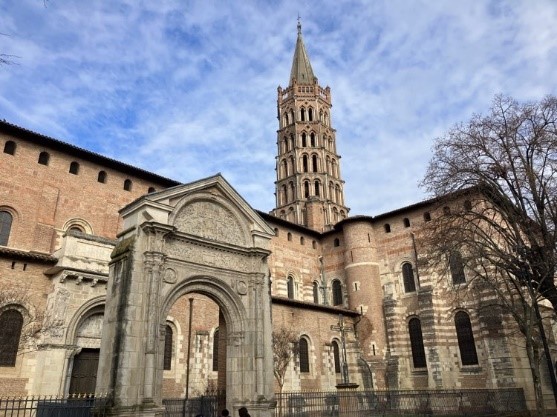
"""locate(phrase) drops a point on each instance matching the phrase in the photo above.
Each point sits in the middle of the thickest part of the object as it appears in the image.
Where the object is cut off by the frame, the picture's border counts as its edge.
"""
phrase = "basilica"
(119, 280)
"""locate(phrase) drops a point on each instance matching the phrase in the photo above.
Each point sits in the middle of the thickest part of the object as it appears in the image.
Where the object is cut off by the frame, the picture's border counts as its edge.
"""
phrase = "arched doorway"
(200, 238)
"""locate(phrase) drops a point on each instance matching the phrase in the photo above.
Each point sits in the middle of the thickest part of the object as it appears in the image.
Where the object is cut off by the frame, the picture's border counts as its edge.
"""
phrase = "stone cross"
(343, 329)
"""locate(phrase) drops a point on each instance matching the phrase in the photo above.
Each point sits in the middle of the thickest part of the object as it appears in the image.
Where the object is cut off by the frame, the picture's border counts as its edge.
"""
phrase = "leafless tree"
(495, 180)
(285, 349)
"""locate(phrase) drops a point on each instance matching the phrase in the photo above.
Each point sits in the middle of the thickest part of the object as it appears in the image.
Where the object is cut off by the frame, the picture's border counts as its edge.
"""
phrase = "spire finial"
(299, 25)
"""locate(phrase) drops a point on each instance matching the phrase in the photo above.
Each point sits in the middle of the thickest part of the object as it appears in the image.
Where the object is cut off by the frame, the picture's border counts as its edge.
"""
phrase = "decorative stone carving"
(89, 331)
(169, 276)
(56, 308)
(242, 287)
(210, 220)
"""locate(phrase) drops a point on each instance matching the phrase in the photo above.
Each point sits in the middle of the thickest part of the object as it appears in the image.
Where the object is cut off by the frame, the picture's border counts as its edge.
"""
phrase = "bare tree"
(285, 348)
(494, 178)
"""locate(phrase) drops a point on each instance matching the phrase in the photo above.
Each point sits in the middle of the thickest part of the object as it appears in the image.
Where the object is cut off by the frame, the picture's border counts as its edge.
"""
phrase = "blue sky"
(188, 88)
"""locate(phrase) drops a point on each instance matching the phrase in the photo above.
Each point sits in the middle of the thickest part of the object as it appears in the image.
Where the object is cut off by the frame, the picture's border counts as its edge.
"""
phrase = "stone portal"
(200, 237)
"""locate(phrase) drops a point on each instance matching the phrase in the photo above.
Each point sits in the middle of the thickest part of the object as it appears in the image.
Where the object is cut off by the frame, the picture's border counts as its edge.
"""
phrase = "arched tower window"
(314, 163)
(216, 350)
(292, 120)
(5, 228)
(290, 287)
(304, 355)
(291, 143)
(168, 335)
(291, 191)
(417, 343)
(312, 139)
(334, 168)
(303, 114)
(465, 337)
(305, 163)
(283, 196)
(332, 195)
(337, 293)
(128, 185)
(101, 177)
(151, 190)
(293, 169)
(306, 189)
(9, 147)
(304, 140)
(408, 277)
(11, 323)
(317, 186)
(335, 214)
(456, 265)
(310, 114)
(336, 356)
(44, 157)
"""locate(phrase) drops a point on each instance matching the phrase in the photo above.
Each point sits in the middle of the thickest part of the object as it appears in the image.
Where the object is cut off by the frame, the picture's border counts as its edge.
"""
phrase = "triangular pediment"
(210, 209)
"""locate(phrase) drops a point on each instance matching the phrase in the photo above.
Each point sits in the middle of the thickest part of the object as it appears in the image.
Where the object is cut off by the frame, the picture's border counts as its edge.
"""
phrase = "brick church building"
(60, 218)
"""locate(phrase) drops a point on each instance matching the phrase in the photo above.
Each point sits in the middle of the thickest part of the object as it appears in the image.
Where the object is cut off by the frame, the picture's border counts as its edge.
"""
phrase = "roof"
(55, 144)
(26, 255)
(301, 67)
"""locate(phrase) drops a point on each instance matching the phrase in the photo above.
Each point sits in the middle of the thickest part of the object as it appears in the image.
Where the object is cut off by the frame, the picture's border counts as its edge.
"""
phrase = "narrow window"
(289, 237)
(303, 115)
(446, 210)
(314, 163)
(304, 355)
(5, 228)
(336, 242)
(9, 147)
(306, 189)
(74, 168)
(465, 337)
(467, 205)
(387, 227)
(101, 177)
(11, 323)
(406, 222)
(336, 356)
(312, 139)
(276, 231)
(290, 287)
(310, 115)
(408, 277)
(302, 240)
(44, 157)
(457, 268)
(337, 293)
(304, 140)
(128, 185)
(315, 292)
(168, 348)
(316, 186)
(427, 216)
(305, 163)
(417, 343)
(151, 190)
(216, 351)
(313, 244)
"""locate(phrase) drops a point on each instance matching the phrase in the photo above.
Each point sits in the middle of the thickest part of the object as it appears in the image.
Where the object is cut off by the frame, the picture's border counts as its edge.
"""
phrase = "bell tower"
(309, 189)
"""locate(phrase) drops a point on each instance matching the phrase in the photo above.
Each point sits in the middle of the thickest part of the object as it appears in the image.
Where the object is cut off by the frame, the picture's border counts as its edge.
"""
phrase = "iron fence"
(400, 403)
(52, 406)
(205, 405)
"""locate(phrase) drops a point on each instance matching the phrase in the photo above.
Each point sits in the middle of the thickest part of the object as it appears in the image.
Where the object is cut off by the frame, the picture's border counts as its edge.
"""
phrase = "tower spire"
(309, 187)
(301, 67)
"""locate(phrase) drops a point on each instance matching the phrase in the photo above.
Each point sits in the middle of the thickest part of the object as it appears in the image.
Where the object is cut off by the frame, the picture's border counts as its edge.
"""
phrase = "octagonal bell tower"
(309, 189)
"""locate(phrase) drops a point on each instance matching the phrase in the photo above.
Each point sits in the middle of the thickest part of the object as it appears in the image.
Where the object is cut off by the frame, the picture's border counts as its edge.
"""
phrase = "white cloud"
(188, 89)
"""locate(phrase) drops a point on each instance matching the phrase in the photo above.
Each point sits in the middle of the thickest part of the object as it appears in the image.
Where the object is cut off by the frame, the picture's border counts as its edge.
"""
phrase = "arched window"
(216, 350)
(339, 195)
(303, 350)
(168, 348)
(465, 337)
(312, 139)
(101, 177)
(11, 323)
(310, 115)
(457, 268)
(291, 143)
(315, 289)
(128, 185)
(151, 190)
(387, 228)
(304, 140)
(417, 343)
(292, 120)
(406, 222)
(306, 189)
(5, 228)
(336, 242)
(289, 237)
(44, 157)
(332, 194)
(302, 240)
(337, 293)
(290, 287)
(303, 114)
(74, 168)
(305, 163)
(283, 194)
(276, 231)
(408, 277)
(427, 216)
(317, 187)
(9, 147)
(314, 163)
(336, 356)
